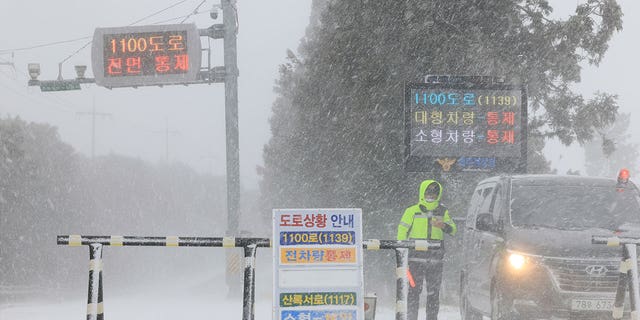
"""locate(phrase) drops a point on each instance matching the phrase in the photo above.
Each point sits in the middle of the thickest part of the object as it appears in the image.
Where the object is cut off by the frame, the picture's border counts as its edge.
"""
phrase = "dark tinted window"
(486, 200)
(573, 207)
(496, 203)
(473, 208)
(479, 199)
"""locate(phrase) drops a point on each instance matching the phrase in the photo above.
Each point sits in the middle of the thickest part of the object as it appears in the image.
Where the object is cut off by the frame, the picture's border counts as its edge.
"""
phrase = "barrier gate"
(95, 308)
(628, 277)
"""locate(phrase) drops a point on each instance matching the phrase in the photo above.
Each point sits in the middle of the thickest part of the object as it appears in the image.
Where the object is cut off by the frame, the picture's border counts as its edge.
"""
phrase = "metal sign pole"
(94, 300)
(402, 287)
(231, 116)
(248, 296)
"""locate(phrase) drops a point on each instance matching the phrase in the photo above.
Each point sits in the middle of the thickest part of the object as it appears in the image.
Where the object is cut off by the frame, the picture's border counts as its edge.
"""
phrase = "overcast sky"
(195, 114)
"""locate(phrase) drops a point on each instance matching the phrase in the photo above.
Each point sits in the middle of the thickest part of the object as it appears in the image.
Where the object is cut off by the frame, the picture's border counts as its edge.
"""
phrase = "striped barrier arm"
(419, 245)
(95, 309)
(168, 241)
(628, 276)
(614, 241)
(225, 242)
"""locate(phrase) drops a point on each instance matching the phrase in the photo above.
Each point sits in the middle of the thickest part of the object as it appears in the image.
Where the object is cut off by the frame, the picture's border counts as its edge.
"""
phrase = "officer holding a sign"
(426, 220)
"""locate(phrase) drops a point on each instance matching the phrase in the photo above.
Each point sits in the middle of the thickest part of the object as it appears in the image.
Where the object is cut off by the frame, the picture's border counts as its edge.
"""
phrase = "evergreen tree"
(610, 150)
(337, 123)
(37, 175)
(47, 189)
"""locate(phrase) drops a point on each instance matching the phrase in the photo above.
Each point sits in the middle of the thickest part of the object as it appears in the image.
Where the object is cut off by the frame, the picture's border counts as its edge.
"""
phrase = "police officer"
(426, 220)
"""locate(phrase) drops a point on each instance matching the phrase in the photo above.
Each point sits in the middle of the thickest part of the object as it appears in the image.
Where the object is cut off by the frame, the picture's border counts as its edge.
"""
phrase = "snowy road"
(160, 307)
(193, 296)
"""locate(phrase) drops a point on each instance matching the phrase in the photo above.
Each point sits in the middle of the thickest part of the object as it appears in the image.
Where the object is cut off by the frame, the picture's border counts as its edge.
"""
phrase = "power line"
(33, 99)
(88, 43)
(69, 57)
(61, 101)
(43, 45)
(87, 37)
(176, 18)
(156, 13)
(139, 20)
(194, 11)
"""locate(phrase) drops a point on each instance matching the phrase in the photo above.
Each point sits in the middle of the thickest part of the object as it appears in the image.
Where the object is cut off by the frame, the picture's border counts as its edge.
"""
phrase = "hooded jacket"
(416, 222)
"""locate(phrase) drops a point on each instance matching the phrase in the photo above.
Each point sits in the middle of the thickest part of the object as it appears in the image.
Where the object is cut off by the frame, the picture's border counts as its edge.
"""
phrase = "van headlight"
(519, 261)
(516, 260)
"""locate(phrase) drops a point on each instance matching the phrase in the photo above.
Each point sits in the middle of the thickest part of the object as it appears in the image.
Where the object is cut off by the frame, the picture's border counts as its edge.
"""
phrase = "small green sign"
(59, 85)
(299, 299)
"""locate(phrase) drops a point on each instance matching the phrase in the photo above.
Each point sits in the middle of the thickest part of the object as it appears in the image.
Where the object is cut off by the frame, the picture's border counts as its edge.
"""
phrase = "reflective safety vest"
(416, 224)
(417, 220)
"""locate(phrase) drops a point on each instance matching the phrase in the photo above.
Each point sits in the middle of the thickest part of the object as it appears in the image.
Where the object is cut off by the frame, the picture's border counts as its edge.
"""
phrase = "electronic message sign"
(146, 55)
(453, 127)
(317, 256)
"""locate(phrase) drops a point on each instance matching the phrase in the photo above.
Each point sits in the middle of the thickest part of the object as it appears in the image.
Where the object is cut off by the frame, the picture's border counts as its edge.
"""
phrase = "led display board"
(453, 127)
(146, 55)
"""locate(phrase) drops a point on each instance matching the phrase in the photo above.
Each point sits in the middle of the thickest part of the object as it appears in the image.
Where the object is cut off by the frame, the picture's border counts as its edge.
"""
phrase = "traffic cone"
(410, 277)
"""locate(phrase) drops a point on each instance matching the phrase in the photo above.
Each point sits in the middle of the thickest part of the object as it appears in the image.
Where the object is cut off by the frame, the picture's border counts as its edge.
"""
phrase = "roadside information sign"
(57, 85)
(317, 264)
(465, 126)
(146, 55)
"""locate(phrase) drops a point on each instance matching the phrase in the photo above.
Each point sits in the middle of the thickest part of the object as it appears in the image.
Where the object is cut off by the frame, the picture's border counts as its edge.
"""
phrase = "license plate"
(592, 304)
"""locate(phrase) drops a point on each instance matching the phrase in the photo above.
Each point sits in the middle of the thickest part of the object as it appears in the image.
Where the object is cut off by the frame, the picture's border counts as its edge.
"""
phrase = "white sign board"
(317, 264)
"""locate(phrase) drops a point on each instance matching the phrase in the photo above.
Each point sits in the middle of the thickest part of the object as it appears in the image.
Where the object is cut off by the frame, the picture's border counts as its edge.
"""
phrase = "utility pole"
(230, 20)
(9, 63)
(93, 115)
(211, 163)
(166, 133)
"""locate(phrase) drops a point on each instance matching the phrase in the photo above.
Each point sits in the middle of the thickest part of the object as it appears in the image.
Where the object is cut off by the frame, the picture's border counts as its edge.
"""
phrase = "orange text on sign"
(317, 255)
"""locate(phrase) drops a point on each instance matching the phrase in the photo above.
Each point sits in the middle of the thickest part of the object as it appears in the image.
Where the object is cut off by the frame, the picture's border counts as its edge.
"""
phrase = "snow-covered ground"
(160, 306)
(173, 294)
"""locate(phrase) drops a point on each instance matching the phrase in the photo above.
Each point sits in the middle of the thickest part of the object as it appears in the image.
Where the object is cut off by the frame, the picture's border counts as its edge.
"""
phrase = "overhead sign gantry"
(159, 55)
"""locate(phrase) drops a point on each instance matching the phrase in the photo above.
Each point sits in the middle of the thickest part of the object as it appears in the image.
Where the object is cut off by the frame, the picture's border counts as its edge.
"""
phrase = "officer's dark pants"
(425, 266)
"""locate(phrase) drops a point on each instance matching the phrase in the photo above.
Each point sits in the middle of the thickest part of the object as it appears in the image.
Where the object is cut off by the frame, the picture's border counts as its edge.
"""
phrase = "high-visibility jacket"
(416, 222)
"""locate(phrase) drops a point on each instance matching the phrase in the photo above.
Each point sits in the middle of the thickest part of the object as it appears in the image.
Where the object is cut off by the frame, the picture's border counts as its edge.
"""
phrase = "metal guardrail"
(95, 307)
(628, 277)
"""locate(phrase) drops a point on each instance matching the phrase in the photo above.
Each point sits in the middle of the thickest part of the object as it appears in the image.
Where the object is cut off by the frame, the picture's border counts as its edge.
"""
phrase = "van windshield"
(574, 207)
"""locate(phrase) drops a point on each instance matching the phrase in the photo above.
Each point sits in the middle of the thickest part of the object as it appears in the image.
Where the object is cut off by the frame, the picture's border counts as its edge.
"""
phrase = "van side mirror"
(499, 228)
(484, 222)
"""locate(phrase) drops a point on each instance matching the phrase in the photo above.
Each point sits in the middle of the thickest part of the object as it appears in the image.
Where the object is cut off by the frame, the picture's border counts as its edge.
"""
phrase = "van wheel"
(501, 305)
(466, 312)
